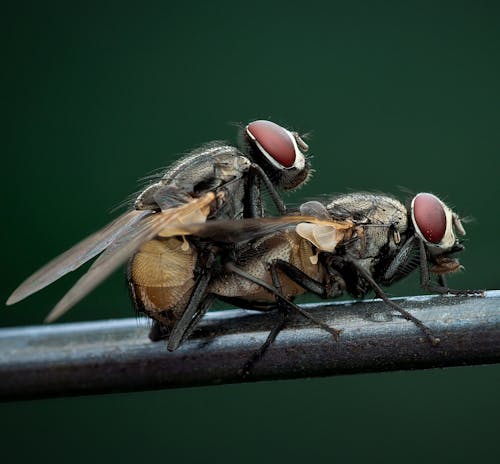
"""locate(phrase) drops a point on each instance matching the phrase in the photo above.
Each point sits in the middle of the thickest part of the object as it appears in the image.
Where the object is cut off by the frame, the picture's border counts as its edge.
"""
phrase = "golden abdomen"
(161, 274)
(287, 246)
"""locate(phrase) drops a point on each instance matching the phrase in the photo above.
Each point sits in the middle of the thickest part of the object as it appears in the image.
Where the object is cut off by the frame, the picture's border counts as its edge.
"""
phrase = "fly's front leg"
(254, 203)
(401, 264)
(439, 287)
(381, 294)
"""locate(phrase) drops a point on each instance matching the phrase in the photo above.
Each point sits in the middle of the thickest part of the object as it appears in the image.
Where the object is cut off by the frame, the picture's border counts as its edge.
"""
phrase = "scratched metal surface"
(117, 356)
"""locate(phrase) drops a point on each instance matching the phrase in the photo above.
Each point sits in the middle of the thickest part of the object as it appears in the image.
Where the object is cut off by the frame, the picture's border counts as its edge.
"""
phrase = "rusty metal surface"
(117, 356)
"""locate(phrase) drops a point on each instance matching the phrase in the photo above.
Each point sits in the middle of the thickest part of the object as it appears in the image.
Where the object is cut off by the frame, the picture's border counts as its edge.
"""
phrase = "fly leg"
(334, 286)
(157, 331)
(165, 323)
(254, 202)
(284, 307)
(439, 287)
(282, 314)
(381, 294)
(198, 305)
(292, 306)
(258, 354)
(197, 309)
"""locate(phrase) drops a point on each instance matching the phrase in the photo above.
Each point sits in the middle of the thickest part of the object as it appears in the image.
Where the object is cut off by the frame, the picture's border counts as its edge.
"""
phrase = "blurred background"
(392, 94)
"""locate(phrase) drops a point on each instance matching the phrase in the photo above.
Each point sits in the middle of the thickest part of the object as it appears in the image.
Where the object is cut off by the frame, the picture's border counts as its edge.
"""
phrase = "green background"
(393, 94)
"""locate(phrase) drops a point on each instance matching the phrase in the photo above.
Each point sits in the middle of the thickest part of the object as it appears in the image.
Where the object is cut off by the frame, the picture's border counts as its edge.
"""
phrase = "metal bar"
(117, 356)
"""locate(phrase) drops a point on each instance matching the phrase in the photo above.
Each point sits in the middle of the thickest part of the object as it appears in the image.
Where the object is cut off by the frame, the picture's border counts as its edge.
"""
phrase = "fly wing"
(242, 230)
(76, 256)
(165, 223)
(316, 209)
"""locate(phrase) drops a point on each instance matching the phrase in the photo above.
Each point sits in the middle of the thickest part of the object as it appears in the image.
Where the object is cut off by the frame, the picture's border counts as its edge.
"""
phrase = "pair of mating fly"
(199, 233)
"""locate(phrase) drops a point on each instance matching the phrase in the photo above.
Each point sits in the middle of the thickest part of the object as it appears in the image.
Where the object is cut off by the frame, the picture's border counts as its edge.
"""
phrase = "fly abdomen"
(162, 274)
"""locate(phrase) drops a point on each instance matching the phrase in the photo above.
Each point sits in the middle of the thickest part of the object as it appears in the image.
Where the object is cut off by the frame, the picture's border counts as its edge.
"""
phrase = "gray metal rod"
(117, 356)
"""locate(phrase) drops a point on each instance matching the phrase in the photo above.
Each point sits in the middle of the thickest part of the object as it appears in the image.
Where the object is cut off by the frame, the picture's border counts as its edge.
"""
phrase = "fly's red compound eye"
(275, 140)
(429, 216)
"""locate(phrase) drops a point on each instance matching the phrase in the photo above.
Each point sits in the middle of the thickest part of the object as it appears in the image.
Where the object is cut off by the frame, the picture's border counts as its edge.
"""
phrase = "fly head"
(279, 152)
(437, 226)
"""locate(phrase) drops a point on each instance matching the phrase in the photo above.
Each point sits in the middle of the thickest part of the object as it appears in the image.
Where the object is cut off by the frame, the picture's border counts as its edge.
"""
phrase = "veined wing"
(165, 223)
(76, 256)
(242, 230)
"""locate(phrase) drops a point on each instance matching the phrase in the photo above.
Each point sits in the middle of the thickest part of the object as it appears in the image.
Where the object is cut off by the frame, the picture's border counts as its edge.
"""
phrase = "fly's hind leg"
(284, 300)
(195, 311)
(157, 332)
(176, 324)
(333, 287)
(284, 307)
(161, 325)
(259, 353)
(198, 305)
(282, 316)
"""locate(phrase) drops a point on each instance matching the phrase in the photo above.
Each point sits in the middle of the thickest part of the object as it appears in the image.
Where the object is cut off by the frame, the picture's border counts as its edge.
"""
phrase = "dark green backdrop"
(394, 94)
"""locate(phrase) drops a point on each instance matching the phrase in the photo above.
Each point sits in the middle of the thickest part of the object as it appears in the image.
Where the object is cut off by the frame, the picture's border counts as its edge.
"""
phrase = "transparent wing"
(76, 256)
(164, 223)
(241, 230)
(315, 209)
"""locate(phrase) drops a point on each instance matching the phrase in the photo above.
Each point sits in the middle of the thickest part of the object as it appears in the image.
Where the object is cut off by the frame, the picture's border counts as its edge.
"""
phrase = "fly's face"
(279, 152)
(436, 225)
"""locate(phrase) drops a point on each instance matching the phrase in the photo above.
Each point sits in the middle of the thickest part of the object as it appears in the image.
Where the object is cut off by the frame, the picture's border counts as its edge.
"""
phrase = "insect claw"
(435, 341)
(336, 334)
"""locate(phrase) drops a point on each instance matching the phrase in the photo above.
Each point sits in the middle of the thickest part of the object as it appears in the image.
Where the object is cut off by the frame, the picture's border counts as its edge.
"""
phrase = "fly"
(217, 181)
(356, 243)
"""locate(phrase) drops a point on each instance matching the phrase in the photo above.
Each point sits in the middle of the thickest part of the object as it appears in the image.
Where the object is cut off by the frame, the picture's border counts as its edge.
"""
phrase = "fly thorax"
(145, 200)
(231, 167)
